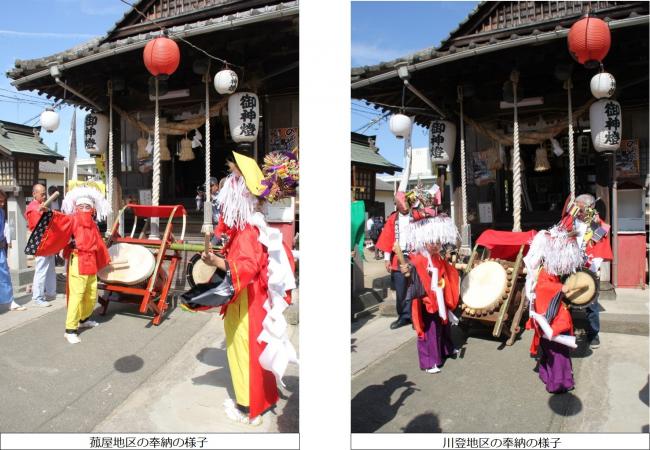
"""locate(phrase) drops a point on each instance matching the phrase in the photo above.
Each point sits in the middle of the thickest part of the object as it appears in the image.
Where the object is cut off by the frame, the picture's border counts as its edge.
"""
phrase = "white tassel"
(435, 230)
(236, 202)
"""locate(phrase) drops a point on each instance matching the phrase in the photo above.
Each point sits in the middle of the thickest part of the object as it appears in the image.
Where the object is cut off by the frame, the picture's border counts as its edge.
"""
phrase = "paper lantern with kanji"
(603, 85)
(442, 141)
(225, 81)
(243, 116)
(50, 120)
(606, 125)
(589, 40)
(96, 134)
(161, 56)
(400, 125)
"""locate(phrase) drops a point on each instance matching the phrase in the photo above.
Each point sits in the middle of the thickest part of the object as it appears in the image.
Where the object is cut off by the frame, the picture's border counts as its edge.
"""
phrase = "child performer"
(434, 289)
(75, 232)
(552, 254)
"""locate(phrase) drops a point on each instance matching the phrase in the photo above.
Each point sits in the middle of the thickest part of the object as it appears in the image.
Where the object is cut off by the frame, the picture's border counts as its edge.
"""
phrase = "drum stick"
(400, 256)
(120, 265)
(50, 199)
(206, 242)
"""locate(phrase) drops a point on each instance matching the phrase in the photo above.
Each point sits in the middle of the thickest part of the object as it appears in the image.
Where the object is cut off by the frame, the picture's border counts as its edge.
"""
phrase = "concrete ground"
(493, 388)
(125, 376)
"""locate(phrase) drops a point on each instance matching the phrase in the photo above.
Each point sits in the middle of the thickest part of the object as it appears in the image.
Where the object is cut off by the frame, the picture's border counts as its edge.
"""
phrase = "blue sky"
(36, 28)
(382, 31)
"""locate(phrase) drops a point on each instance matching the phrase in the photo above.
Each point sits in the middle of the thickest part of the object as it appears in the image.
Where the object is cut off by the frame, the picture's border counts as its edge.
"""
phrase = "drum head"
(140, 264)
(583, 287)
(484, 285)
(198, 272)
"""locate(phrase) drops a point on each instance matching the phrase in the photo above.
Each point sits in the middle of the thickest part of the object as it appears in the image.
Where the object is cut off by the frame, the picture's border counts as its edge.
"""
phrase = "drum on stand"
(581, 289)
(485, 288)
(130, 265)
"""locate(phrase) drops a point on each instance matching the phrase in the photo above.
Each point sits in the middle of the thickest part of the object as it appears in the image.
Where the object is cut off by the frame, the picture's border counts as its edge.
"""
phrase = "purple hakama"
(555, 368)
(437, 343)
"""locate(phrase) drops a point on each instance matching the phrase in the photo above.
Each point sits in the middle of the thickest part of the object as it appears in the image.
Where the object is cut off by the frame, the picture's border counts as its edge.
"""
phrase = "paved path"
(493, 388)
(125, 376)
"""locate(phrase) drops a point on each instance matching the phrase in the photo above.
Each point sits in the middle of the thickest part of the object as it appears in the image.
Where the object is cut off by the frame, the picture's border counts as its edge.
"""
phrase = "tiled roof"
(97, 46)
(52, 167)
(20, 139)
(471, 42)
(363, 154)
(382, 185)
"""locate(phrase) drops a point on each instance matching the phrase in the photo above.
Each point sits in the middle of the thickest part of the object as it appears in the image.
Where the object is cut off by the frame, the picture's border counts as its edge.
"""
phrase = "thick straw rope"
(463, 169)
(516, 166)
(572, 168)
(109, 184)
(155, 195)
(207, 207)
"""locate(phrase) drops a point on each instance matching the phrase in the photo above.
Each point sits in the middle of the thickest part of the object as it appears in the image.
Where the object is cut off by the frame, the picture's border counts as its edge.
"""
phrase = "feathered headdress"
(88, 193)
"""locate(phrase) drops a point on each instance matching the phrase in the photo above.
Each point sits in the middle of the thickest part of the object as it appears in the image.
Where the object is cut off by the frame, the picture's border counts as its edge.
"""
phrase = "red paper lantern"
(161, 56)
(589, 41)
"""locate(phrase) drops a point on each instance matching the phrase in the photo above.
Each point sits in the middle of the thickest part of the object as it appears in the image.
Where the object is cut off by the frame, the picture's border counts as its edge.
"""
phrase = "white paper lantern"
(442, 141)
(225, 81)
(606, 125)
(96, 134)
(603, 85)
(400, 125)
(243, 116)
(50, 120)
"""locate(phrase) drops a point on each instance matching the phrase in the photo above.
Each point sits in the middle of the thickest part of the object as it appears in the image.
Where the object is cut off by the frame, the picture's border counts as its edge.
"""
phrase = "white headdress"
(86, 195)
(433, 230)
(236, 203)
(556, 250)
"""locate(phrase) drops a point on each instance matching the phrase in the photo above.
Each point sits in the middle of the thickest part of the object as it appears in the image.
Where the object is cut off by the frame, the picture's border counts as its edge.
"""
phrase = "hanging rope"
(155, 194)
(572, 168)
(463, 169)
(207, 208)
(109, 185)
(516, 161)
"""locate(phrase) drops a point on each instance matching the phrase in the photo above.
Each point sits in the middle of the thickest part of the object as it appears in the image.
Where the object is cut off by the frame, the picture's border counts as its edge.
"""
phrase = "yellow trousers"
(82, 295)
(236, 328)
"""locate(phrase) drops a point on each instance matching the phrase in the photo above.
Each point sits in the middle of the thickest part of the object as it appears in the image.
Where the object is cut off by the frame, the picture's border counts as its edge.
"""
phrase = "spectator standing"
(44, 284)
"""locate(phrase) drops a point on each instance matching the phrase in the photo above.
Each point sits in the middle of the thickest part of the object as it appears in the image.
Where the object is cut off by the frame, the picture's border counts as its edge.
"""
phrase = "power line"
(155, 22)
(30, 96)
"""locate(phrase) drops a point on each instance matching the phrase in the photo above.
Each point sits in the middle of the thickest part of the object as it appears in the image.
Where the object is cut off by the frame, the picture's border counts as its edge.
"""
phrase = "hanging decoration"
(442, 141)
(96, 134)
(400, 125)
(606, 124)
(186, 150)
(142, 144)
(557, 148)
(603, 85)
(225, 81)
(243, 116)
(541, 160)
(196, 139)
(589, 41)
(165, 155)
(161, 56)
(50, 120)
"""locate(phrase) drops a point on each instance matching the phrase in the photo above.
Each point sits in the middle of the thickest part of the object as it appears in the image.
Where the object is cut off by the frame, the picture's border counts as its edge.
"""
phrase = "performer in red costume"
(434, 290)
(395, 233)
(257, 285)
(75, 233)
(552, 254)
(592, 235)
